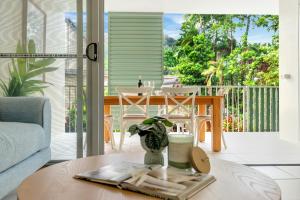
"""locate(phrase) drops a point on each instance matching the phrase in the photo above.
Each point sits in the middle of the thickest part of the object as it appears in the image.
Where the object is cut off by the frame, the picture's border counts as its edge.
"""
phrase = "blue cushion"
(22, 109)
(18, 141)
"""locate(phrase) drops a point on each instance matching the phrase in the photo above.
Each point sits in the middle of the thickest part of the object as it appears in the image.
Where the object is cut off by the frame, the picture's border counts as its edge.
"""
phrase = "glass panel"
(36, 26)
(11, 25)
(64, 138)
(47, 28)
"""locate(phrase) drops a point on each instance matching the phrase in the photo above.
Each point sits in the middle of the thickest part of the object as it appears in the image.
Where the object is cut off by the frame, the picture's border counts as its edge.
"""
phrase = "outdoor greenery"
(154, 131)
(25, 74)
(70, 123)
(208, 54)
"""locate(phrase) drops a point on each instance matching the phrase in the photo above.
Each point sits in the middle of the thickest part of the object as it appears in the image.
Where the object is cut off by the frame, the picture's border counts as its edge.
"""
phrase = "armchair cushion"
(18, 141)
(35, 110)
(22, 109)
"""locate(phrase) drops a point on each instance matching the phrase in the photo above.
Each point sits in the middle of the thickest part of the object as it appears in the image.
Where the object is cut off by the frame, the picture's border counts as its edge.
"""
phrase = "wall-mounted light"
(285, 76)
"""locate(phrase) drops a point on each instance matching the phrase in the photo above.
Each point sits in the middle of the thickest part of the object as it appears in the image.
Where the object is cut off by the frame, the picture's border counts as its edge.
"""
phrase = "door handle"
(94, 58)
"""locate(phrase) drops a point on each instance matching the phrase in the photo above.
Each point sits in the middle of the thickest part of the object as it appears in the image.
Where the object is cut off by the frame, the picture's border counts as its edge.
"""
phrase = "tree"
(170, 60)
(247, 22)
(214, 73)
(208, 53)
(195, 61)
(271, 22)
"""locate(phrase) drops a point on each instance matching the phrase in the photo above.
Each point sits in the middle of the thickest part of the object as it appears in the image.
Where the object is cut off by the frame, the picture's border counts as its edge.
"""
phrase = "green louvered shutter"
(135, 48)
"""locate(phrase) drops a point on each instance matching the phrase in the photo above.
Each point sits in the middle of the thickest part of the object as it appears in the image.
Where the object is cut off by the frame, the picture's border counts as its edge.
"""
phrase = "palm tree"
(215, 70)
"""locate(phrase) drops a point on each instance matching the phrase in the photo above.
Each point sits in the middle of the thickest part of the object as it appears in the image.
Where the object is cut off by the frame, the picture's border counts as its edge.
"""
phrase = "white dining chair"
(108, 125)
(180, 112)
(201, 119)
(132, 112)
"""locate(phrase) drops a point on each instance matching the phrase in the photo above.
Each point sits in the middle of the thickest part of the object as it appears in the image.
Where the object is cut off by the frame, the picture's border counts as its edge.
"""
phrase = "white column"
(289, 64)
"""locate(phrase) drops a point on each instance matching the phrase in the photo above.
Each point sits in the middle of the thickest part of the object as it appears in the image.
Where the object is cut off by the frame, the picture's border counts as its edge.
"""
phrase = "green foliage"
(154, 131)
(71, 118)
(271, 22)
(208, 53)
(257, 65)
(170, 60)
(24, 73)
(194, 59)
(215, 72)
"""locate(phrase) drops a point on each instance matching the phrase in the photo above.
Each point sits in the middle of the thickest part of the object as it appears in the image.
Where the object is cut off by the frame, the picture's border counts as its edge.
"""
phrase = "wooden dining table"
(200, 101)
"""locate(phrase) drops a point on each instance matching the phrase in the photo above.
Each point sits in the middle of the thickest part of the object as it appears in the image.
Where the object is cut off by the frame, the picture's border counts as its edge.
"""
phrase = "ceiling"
(195, 6)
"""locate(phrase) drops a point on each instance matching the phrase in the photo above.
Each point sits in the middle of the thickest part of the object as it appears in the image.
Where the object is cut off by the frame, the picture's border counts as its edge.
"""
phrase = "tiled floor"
(244, 148)
(287, 177)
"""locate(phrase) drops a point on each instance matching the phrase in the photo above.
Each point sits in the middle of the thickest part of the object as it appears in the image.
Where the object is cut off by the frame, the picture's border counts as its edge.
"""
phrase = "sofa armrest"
(35, 110)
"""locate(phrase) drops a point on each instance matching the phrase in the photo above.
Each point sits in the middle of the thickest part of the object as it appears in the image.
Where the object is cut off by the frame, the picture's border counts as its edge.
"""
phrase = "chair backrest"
(225, 93)
(130, 107)
(222, 91)
(180, 106)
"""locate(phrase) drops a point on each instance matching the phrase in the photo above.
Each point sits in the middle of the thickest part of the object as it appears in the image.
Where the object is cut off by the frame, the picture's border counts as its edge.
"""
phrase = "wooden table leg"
(201, 126)
(106, 129)
(217, 125)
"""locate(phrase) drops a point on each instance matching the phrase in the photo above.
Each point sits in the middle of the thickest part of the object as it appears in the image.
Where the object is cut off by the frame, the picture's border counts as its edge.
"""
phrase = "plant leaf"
(19, 49)
(23, 70)
(164, 140)
(40, 71)
(149, 121)
(152, 141)
(42, 63)
(158, 118)
(4, 88)
(133, 130)
(167, 123)
(13, 87)
(21, 61)
(31, 47)
(145, 127)
(159, 128)
(31, 50)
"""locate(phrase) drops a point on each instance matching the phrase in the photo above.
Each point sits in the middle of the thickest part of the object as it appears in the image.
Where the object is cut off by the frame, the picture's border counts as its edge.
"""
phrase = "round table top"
(56, 182)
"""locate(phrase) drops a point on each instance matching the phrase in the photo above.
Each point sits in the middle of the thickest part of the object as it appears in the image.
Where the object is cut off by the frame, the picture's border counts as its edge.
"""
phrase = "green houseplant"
(154, 138)
(25, 74)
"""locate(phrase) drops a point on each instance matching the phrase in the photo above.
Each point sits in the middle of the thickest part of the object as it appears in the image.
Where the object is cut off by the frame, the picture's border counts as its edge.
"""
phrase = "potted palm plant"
(25, 74)
(154, 138)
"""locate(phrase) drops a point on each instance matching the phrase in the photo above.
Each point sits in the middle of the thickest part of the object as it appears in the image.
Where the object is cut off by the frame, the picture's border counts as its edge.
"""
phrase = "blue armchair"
(25, 132)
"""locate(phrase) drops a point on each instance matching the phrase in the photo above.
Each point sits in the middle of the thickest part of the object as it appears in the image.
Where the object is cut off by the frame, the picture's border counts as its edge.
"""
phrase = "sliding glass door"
(95, 78)
(51, 37)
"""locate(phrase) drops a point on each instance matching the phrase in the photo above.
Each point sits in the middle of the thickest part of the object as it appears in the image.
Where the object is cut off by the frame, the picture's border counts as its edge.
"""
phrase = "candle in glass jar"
(179, 150)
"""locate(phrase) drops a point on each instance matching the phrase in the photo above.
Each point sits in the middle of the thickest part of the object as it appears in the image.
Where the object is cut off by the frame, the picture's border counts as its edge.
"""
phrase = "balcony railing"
(248, 108)
(245, 108)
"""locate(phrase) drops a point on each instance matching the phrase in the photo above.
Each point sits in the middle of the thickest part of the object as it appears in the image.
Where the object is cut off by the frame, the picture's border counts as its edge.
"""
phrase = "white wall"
(195, 6)
(289, 64)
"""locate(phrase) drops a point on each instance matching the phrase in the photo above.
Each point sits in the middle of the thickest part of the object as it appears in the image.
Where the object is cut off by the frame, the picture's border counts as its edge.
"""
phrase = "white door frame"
(95, 79)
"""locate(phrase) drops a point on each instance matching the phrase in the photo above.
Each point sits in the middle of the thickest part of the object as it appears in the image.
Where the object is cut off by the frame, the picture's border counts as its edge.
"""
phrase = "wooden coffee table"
(234, 182)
